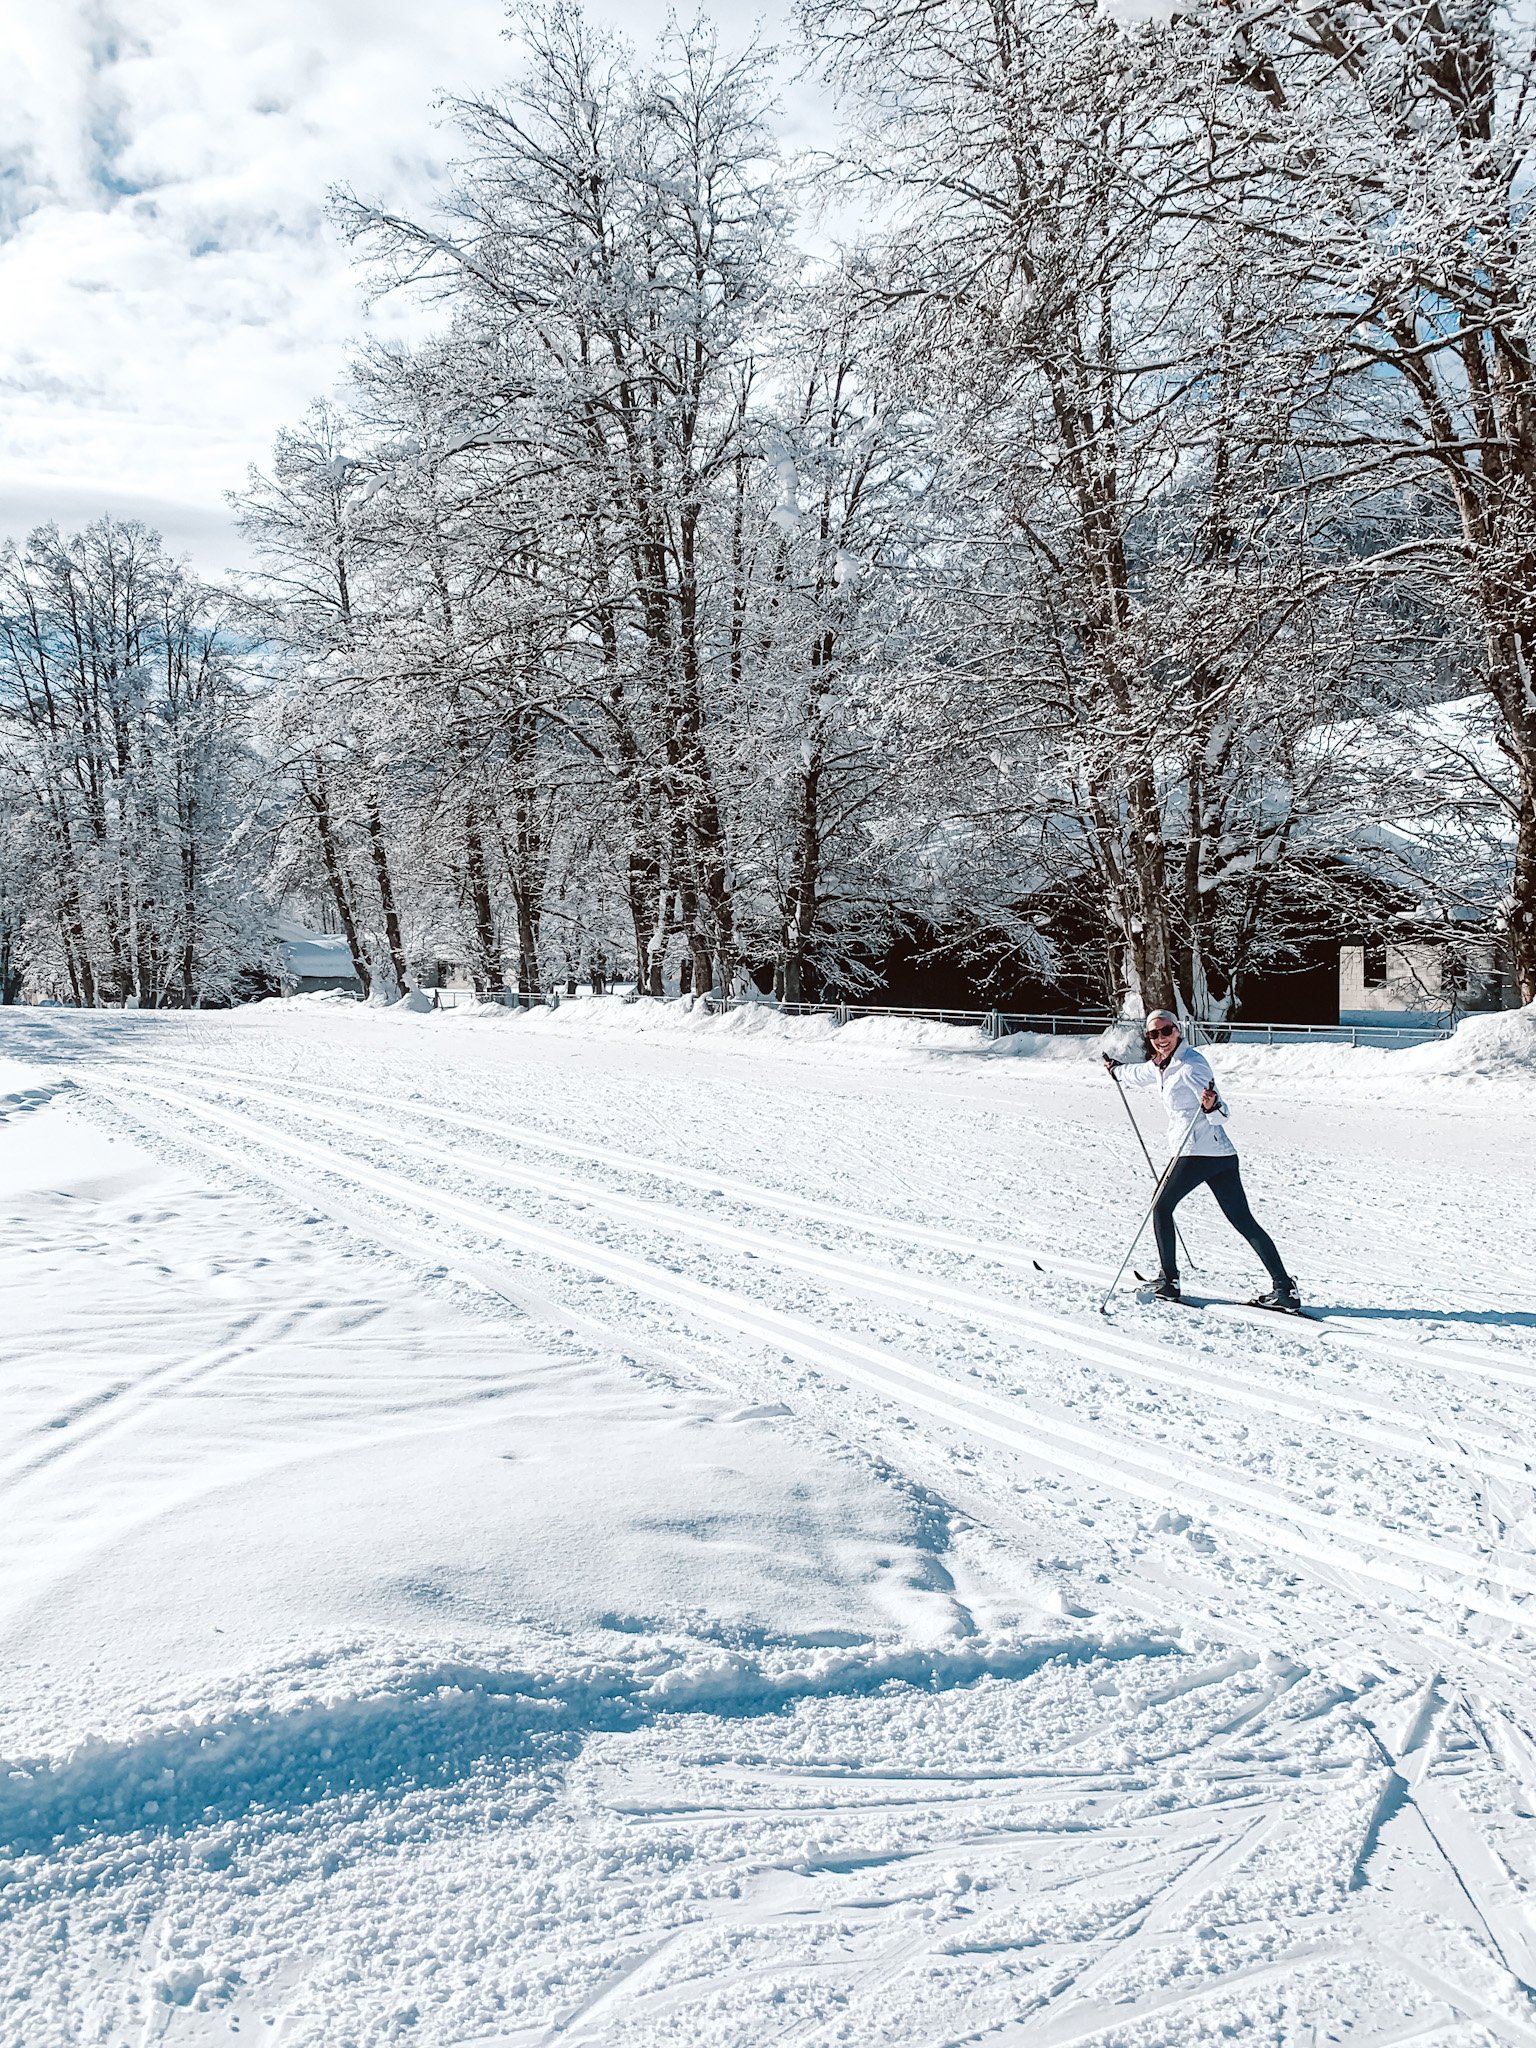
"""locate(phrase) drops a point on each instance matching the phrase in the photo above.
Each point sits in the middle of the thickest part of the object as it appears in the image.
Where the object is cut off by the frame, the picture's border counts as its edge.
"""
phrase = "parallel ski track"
(1133, 1357)
(1471, 1360)
(1253, 1511)
(867, 1222)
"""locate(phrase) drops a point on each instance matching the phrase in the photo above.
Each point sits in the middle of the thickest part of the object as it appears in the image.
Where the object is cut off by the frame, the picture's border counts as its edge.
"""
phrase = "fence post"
(842, 1013)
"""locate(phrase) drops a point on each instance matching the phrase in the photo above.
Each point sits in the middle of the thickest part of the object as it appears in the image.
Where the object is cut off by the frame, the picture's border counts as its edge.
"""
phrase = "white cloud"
(201, 531)
(170, 290)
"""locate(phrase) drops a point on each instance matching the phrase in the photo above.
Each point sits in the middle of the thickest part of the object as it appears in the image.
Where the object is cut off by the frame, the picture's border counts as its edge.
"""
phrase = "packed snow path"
(597, 1528)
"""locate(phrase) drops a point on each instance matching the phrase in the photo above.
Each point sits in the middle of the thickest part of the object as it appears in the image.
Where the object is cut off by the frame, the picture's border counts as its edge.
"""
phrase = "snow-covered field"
(592, 1528)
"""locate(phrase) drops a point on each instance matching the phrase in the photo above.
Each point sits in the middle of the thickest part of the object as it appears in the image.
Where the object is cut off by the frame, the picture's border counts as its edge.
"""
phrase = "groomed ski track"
(1264, 1515)
(1353, 1511)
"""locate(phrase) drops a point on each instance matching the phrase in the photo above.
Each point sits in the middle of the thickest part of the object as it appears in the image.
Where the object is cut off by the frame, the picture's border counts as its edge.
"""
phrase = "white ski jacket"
(1193, 1133)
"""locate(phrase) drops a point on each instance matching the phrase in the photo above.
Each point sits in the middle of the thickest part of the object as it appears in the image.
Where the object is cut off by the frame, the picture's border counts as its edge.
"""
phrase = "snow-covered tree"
(130, 785)
(1149, 614)
(1395, 140)
(1025, 579)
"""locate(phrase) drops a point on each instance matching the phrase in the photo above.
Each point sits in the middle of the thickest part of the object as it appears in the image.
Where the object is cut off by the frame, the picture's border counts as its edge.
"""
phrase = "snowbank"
(1501, 1047)
(874, 1037)
(1492, 1052)
(330, 998)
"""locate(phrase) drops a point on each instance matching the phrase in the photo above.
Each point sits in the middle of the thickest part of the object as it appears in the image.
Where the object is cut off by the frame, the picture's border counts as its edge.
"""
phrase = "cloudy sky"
(170, 290)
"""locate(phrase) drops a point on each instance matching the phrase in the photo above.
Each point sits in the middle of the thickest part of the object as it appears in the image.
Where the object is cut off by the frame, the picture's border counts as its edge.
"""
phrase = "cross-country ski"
(1150, 1292)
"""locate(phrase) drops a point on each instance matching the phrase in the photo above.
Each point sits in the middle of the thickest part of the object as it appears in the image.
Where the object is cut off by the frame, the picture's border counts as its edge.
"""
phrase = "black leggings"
(1225, 1182)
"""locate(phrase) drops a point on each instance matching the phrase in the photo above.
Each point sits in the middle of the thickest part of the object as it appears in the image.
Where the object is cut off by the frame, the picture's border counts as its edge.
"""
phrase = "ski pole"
(1151, 1164)
(1162, 1181)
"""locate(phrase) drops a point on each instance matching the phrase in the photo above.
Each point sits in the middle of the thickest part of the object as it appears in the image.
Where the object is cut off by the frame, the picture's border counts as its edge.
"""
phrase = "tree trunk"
(1151, 935)
(801, 922)
(77, 952)
(700, 963)
(146, 955)
(528, 983)
(187, 964)
(379, 850)
(642, 888)
(1510, 659)
(1522, 908)
(527, 878)
(698, 969)
(654, 964)
(320, 803)
(486, 966)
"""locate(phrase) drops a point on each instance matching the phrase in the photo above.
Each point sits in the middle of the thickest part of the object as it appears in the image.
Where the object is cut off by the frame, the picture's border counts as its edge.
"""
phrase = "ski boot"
(1164, 1288)
(1284, 1299)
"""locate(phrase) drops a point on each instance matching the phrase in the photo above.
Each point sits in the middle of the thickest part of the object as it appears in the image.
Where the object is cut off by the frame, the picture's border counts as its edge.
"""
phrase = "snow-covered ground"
(592, 1528)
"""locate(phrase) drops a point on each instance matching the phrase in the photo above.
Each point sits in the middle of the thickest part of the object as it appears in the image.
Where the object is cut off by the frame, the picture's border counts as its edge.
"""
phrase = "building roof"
(306, 953)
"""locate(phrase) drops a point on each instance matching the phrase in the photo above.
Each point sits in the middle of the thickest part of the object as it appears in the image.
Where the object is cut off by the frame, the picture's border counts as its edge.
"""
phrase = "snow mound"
(607, 1017)
(1498, 1047)
(881, 1037)
(331, 1726)
(1495, 1051)
(1052, 1045)
(910, 1034)
(1287, 1066)
(877, 1037)
(479, 1012)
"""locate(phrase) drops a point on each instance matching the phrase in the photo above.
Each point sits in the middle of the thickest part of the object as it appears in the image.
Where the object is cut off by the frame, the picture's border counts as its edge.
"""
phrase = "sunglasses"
(1164, 1031)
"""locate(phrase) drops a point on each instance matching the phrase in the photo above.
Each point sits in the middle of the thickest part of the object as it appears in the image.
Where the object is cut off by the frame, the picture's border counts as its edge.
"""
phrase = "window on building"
(1375, 975)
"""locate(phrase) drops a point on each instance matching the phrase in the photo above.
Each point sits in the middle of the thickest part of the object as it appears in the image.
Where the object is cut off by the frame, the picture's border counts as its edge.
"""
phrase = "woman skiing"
(1202, 1155)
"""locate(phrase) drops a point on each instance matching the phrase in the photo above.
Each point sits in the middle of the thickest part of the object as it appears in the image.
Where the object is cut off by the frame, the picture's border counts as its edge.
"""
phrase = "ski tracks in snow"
(884, 1897)
(153, 1387)
(1450, 1570)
